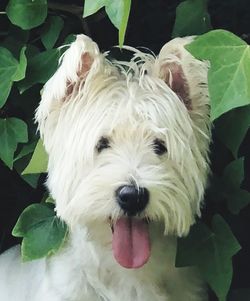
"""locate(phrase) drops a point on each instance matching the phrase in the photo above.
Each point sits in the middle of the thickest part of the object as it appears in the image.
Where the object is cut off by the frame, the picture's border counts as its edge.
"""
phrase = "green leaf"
(69, 39)
(229, 75)
(21, 68)
(26, 150)
(39, 160)
(49, 199)
(124, 22)
(8, 69)
(211, 251)
(32, 216)
(27, 14)
(51, 32)
(8, 64)
(232, 178)
(190, 246)
(12, 132)
(43, 233)
(192, 18)
(231, 128)
(91, 7)
(117, 11)
(22, 160)
(5, 88)
(233, 174)
(40, 68)
(238, 200)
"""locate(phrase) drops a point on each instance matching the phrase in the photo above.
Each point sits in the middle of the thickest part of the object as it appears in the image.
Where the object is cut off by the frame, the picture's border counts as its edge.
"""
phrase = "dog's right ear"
(75, 65)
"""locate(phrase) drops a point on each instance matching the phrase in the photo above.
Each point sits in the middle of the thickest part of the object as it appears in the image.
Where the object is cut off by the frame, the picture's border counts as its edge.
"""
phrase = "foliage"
(117, 11)
(12, 131)
(195, 14)
(29, 53)
(229, 72)
(39, 160)
(43, 233)
(27, 13)
(211, 250)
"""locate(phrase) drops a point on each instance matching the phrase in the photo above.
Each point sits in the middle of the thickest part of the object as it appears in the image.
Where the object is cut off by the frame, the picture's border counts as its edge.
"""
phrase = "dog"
(128, 146)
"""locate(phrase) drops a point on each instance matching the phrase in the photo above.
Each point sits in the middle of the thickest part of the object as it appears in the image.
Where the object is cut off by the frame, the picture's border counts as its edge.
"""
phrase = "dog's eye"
(159, 147)
(102, 144)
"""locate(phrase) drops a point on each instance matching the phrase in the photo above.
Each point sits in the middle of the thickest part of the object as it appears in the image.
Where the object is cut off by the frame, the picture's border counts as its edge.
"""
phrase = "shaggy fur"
(132, 104)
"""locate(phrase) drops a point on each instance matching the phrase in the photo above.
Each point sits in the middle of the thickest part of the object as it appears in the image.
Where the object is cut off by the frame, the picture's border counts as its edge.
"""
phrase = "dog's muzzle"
(131, 199)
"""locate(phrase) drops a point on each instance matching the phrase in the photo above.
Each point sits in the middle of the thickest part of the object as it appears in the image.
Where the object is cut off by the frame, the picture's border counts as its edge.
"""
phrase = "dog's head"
(127, 142)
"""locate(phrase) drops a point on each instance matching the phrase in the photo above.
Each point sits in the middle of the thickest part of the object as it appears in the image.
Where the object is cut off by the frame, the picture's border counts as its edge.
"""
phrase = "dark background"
(150, 25)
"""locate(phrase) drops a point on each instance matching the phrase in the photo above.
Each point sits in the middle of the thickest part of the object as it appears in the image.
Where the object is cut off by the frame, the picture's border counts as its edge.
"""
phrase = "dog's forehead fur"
(126, 106)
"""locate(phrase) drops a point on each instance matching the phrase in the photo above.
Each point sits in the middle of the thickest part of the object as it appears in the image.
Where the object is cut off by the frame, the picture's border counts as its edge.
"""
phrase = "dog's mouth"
(130, 242)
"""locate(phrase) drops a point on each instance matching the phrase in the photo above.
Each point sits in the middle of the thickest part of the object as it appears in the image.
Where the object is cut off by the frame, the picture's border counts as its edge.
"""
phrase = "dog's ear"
(173, 75)
(173, 65)
(74, 67)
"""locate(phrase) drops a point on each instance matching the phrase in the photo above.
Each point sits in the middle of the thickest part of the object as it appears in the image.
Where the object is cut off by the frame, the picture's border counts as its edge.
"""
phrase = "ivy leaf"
(22, 160)
(40, 68)
(91, 7)
(229, 75)
(192, 18)
(233, 174)
(51, 31)
(211, 251)
(117, 11)
(26, 150)
(39, 160)
(49, 199)
(124, 21)
(12, 132)
(69, 39)
(27, 14)
(8, 69)
(5, 87)
(31, 179)
(21, 68)
(231, 128)
(43, 233)
(114, 10)
(232, 178)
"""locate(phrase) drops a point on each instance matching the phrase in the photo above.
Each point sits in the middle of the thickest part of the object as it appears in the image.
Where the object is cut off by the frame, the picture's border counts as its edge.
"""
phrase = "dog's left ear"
(74, 67)
(173, 66)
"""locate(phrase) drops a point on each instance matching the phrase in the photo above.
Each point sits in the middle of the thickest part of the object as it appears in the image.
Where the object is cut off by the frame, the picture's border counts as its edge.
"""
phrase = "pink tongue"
(131, 245)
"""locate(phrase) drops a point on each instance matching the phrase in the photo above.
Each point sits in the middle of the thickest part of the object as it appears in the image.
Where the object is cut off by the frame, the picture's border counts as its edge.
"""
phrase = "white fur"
(132, 105)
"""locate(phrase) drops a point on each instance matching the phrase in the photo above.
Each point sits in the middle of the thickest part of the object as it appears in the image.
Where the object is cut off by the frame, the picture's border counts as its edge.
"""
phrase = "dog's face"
(127, 149)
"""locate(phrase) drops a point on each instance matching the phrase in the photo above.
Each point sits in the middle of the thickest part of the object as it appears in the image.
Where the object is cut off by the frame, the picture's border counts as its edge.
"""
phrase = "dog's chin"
(131, 245)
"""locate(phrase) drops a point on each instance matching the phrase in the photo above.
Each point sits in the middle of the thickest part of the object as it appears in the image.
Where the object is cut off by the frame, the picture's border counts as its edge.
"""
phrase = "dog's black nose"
(131, 199)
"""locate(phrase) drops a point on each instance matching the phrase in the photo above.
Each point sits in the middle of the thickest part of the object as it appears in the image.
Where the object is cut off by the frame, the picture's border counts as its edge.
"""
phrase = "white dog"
(128, 163)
